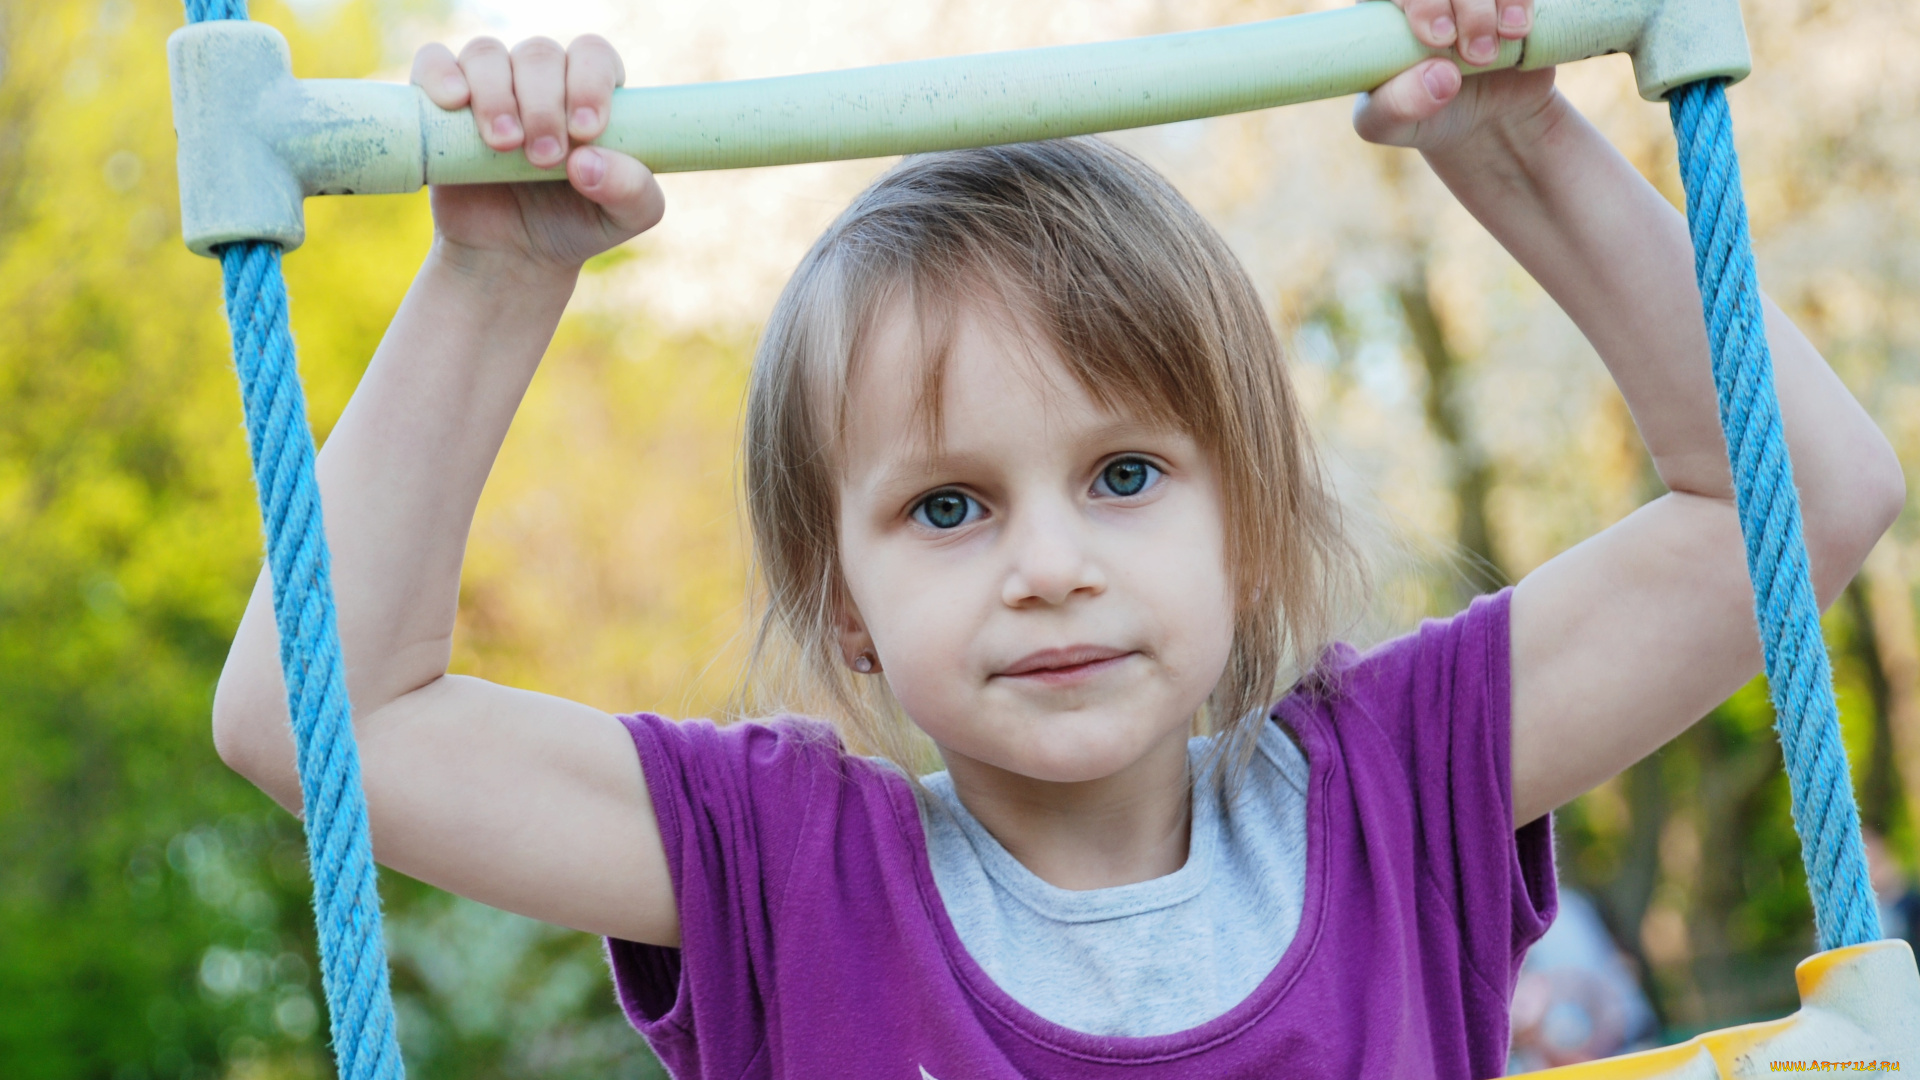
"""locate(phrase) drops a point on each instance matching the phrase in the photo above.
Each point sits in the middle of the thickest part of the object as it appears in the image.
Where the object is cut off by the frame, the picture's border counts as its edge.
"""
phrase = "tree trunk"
(1888, 599)
(1452, 423)
(1878, 787)
(1623, 901)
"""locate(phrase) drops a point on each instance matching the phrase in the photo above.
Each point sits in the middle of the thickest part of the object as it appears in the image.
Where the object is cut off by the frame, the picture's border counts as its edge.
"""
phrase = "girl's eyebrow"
(913, 472)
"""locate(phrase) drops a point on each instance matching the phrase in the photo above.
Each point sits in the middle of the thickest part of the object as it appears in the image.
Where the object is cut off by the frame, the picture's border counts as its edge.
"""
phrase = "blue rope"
(346, 896)
(1799, 676)
(346, 899)
(208, 10)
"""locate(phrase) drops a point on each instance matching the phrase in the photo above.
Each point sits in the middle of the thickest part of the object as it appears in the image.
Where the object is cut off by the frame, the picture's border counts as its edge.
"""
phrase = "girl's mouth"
(1060, 667)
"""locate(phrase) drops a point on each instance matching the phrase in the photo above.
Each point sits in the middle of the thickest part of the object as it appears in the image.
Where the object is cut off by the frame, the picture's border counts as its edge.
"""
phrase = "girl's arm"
(523, 801)
(1624, 641)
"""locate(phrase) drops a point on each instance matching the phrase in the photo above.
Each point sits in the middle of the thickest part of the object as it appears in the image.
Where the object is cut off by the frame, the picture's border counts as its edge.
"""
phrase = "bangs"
(1119, 371)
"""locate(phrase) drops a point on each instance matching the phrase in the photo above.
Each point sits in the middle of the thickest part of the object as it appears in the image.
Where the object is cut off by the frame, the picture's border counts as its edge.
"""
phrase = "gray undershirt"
(1150, 958)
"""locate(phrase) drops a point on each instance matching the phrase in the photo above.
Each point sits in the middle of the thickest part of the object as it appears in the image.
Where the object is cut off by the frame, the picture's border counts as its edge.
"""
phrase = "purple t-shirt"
(814, 943)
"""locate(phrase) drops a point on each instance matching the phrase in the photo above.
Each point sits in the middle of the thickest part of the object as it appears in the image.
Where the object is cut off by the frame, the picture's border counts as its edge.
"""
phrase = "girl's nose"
(1051, 562)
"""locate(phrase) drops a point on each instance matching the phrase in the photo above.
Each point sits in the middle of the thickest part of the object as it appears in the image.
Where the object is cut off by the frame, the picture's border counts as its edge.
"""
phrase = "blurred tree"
(151, 907)
(1879, 779)
(1887, 601)
(154, 916)
(1444, 400)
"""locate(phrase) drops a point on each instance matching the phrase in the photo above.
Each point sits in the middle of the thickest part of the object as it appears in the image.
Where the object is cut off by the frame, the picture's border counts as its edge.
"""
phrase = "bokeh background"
(154, 917)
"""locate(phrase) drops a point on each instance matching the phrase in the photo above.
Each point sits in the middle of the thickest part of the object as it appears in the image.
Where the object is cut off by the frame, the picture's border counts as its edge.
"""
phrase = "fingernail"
(1436, 82)
(1443, 29)
(506, 127)
(1481, 50)
(453, 84)
(1514, 18)
(584, 119)
(545, 148)
(592, 167)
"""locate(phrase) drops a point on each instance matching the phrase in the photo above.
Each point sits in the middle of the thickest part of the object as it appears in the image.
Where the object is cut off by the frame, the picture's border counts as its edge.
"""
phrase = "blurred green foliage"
(154, 917)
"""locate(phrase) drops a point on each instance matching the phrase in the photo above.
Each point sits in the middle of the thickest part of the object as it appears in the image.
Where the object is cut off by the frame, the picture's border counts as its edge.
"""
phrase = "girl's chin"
(1059, 757)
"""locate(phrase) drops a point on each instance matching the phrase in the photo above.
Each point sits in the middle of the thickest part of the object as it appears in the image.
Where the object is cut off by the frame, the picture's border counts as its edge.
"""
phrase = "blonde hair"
(1150, 313)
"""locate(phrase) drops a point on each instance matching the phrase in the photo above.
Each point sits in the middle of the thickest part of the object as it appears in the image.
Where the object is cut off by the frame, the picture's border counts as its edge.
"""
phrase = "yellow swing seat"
(1859, 1014)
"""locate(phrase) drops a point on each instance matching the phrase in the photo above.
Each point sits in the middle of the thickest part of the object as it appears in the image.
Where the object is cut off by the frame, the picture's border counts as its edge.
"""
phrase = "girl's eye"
(1127, 476)
(946, 510)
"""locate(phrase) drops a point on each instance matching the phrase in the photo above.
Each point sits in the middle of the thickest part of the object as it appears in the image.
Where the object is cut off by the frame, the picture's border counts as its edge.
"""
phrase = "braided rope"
(346, 897)
(1799, 675)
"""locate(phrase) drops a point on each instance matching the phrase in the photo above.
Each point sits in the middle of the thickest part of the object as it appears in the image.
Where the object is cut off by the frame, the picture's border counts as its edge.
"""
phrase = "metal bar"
(254, 140)
(980, 100)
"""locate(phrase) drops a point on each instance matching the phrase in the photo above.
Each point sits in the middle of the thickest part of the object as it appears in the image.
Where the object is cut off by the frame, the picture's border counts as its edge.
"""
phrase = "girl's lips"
(1071, 664)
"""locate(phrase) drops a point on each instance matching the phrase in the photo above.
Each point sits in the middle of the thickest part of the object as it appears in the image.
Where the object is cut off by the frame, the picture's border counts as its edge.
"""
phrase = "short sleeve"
(731, 803)
(1443, 696)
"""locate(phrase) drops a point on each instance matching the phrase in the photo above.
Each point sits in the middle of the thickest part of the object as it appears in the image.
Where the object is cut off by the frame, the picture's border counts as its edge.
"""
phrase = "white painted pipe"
(255, 141)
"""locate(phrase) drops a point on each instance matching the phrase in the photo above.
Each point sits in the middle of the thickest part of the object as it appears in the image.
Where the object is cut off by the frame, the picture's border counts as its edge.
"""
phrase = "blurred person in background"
(1577, 998)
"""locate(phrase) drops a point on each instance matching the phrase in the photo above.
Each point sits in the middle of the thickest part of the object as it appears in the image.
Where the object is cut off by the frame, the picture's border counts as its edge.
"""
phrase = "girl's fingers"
(438, 73)
(489, 74)
(540, 85)
(1432, 22)
(593, 70)
(1393, 113)
(624, 189)
(1516, 18)
(1479, 30)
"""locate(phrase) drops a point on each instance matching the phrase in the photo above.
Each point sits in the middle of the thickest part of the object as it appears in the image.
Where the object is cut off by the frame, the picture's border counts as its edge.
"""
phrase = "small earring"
(863, 664)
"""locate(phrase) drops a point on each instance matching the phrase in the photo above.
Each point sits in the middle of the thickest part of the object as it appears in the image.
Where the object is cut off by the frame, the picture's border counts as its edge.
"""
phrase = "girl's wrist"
(1509, 151)
(498, 276)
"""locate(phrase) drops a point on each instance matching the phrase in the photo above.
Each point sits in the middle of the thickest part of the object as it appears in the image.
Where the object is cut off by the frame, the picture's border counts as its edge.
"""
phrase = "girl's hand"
(1430, 108)
(552, 101)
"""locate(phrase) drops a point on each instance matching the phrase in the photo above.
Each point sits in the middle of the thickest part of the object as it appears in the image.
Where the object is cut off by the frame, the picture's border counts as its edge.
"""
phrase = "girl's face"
(1046, 591)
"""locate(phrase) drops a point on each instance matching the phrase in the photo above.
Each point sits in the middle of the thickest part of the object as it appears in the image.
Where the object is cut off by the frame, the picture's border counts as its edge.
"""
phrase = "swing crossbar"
(255, 141)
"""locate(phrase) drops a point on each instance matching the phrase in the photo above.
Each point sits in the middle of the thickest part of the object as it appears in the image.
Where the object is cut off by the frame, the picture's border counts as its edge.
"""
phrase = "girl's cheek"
(930, 690)
(1190, 585)
(925, 638)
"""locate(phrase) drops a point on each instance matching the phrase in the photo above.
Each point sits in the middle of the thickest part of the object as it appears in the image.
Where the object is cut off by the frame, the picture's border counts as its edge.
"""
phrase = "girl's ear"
(856, 646)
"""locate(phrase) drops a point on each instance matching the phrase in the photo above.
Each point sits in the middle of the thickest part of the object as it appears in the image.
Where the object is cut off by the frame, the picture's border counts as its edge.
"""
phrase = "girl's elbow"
(1844, 527)
(231, 723)
(1880, 494)
(244, 721)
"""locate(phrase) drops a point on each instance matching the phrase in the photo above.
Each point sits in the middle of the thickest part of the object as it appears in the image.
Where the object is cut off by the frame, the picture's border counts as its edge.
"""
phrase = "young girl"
(1027, 480)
